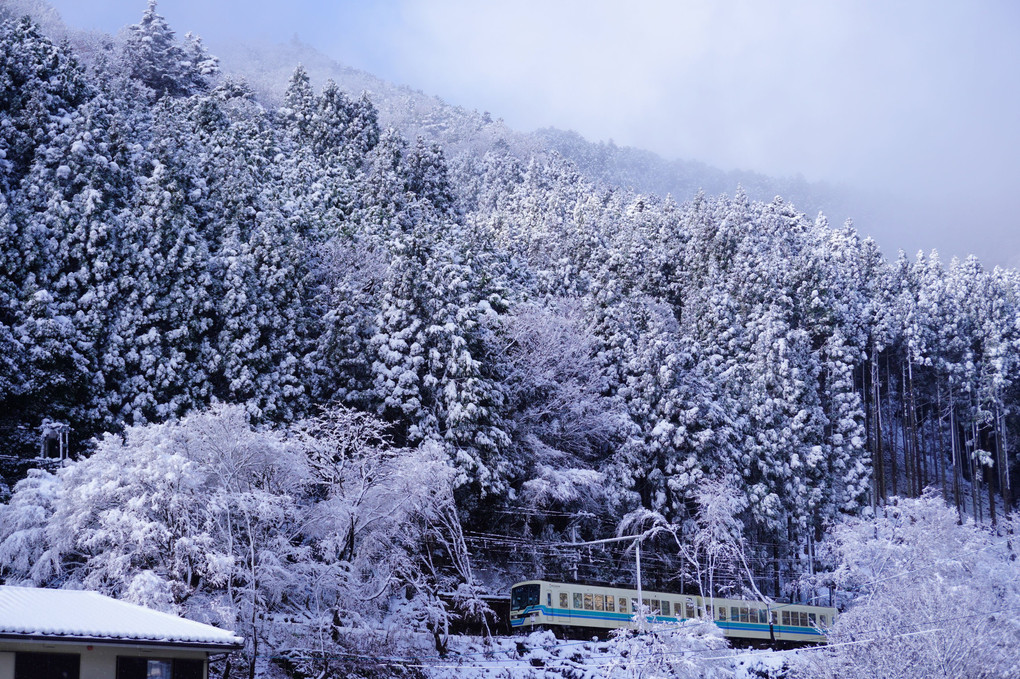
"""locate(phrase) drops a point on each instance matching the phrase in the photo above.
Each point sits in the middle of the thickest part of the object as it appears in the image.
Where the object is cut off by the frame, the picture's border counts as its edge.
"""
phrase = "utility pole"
(637, 567)
(573, 539)
(637, 556)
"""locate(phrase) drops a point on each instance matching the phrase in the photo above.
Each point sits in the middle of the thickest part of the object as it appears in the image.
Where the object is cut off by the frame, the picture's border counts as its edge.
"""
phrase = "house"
(74, 634)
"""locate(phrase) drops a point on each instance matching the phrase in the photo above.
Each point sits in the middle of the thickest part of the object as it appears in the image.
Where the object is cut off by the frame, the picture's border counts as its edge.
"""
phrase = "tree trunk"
(975, 483)
(892, 434)
(940, 446)
(1003, 449)
(991, 495)
(915, 448)
(954, 436)
(908, 456)
(876, 398)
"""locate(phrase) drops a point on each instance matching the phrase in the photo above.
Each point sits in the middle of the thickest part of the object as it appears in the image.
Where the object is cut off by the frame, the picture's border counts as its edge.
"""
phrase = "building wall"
(98, 661)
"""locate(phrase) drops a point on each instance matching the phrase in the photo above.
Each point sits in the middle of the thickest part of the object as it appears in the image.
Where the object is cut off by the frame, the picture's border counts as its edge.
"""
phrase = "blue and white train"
(540, 603)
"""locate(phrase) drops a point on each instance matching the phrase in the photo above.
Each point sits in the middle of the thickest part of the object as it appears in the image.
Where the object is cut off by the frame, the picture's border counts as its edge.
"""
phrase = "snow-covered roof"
(66, 614)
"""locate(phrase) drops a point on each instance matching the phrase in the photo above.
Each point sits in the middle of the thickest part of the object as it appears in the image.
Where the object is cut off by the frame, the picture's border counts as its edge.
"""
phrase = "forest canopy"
(297, 317)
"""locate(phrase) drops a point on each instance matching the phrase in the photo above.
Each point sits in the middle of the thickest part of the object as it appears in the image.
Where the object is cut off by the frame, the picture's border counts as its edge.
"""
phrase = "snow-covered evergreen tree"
(154, 57)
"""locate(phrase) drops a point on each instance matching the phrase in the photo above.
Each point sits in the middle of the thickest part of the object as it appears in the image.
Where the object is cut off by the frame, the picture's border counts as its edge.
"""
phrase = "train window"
(623, 605)
(710, 611)
(577, 600)
(775, 618)
(822, 619)
(763, 616)
(786, 618)
(563, 600)
(690, 610)
(722, 612)
(734, 614)
(804, 619)
(610, 602)
(548, 599)
(600, 602)
(524, 596)
(654, 607)
(812, 619)
(587, 602)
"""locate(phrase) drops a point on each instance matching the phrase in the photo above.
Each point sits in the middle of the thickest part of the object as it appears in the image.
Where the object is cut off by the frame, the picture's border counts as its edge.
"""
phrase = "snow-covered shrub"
(932, 597)
(284, 536)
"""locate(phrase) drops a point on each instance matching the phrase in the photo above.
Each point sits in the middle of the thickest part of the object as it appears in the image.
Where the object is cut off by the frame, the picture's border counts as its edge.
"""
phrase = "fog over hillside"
(268, 67)
(904, 111)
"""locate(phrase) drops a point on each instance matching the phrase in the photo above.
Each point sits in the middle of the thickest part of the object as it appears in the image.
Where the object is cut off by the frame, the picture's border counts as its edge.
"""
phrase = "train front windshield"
(523, 596)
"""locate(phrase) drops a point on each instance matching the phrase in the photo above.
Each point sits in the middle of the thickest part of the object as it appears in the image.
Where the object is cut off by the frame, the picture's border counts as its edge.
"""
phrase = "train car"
(541, 603)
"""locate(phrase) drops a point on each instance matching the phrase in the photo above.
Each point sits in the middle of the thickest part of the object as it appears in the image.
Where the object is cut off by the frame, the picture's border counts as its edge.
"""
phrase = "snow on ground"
(540, 655)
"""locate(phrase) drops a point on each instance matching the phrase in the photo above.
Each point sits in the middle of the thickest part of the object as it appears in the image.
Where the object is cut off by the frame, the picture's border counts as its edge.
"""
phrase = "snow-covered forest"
(328, 384)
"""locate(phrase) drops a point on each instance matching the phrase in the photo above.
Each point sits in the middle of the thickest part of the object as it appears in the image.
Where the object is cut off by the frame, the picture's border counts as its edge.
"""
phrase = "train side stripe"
(625, 617)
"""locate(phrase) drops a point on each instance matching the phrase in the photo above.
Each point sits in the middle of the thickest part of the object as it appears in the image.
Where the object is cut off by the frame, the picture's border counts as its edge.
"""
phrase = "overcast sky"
(919, 99)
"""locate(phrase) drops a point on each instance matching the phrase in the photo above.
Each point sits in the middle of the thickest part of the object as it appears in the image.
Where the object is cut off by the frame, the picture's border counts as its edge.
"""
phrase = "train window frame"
(588, 603)
(610, 603)
(763, 616)
(812, 619)
(548, 599)
(524, 596)
(564, 600)
(623, 604)
(600, 602)
(721, 610)
(786, 618)
(654, 607)
(689, 610)
(822, 620)
(578, 601)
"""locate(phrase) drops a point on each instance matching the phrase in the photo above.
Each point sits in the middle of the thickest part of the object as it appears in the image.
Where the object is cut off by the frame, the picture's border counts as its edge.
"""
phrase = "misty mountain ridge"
(267, 66)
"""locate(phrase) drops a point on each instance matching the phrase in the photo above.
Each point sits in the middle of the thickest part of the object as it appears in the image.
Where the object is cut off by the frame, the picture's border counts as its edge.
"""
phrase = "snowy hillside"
(323, 374)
